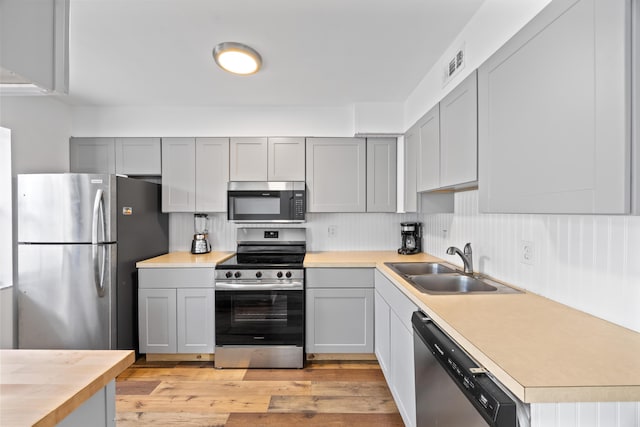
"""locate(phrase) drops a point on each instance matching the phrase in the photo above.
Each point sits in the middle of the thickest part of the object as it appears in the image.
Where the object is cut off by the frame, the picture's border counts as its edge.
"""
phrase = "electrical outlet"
(527, 252)
(332, 230)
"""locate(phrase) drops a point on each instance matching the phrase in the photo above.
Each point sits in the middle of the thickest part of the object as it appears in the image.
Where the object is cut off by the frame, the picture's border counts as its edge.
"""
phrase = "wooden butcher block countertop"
(543, 351)
(185, 260)
(42, 387)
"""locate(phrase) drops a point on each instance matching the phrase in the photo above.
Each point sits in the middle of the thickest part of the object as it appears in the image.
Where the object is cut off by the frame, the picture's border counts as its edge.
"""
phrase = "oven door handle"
(259, 286)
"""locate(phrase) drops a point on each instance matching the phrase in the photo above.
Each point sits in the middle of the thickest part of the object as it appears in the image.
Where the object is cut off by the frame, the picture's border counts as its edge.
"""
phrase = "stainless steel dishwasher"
(452, 390)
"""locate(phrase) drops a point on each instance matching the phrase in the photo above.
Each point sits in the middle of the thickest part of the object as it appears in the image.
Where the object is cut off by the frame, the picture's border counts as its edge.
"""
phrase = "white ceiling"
(315, 52)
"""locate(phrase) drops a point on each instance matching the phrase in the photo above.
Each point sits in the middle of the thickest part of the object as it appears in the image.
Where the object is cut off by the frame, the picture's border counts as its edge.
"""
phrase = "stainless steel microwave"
(266, 201)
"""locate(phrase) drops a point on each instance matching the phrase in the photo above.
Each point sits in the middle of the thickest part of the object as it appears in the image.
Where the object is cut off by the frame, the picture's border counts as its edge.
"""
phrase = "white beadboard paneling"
(354, 231)
(578, 259)
(590, 414)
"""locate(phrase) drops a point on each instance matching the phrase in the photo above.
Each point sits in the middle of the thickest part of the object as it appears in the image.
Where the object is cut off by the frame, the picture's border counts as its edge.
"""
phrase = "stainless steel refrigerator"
(79, 237)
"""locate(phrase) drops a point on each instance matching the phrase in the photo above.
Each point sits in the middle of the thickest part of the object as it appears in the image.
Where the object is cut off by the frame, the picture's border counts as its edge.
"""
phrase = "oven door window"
(259, 318)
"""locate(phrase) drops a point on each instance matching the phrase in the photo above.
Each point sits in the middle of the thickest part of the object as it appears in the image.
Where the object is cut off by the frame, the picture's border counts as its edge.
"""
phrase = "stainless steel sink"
(440, 279)
(419, 268)
(450, 284)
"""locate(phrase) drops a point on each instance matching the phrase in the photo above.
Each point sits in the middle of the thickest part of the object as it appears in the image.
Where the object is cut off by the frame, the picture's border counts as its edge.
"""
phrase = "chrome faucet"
(466, 256)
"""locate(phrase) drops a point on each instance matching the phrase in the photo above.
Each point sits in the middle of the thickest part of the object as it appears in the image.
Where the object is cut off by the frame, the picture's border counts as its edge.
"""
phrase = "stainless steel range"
(260, 300)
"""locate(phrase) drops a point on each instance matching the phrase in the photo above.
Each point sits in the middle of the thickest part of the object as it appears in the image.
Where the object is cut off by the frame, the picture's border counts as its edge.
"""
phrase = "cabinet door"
(286, 159)
(138, 156)
(195, 324)
(212, 174)
(178, 174)
(382, 341)
(92, 155)
(248, 159)
(554, 116)
(411, 149)
(336, 174)
(429, 150)
(459, 134)
(381, 175)
(402, 369)
(339, 320)
(157, 320)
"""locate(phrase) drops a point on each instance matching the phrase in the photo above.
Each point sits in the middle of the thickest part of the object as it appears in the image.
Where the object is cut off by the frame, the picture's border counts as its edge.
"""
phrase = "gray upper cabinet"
(381, 175)
(248, 159)
(127, 156)
(459, 134)
(195, 172)
(178, 174)
(212, 174)
(554, 113)
(429, 150)
(336, 174)
(138, 156)
(411, 149)
(448, 140)
(92, 155)
(285, 159)
(34, 42)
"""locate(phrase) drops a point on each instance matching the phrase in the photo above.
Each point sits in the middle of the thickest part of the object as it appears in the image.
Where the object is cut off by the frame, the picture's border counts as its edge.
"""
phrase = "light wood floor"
(324, 393)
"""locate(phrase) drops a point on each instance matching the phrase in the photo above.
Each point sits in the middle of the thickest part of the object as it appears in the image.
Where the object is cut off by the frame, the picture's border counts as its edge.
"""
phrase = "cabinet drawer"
(401, 305)
(339, 277)
(176, 277)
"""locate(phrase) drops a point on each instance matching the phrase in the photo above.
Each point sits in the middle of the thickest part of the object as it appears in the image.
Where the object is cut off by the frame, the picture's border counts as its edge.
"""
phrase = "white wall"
(40, 129)
(6, 246)
(495, 22)
(236, 121)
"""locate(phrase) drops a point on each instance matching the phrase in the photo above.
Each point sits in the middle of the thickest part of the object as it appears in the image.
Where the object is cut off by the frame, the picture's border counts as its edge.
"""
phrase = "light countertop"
(543, 351)
(185, 259)
(42, 387)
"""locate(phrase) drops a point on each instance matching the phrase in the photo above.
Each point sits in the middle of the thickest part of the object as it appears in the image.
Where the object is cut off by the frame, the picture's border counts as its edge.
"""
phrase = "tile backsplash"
(589, 262)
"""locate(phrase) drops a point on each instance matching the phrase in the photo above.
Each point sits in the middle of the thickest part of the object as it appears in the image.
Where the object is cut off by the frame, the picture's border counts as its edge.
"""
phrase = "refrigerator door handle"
(98, 269)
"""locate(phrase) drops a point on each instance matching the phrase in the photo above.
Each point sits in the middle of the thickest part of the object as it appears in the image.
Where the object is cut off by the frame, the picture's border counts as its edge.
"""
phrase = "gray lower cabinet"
(157, 320)
(176, 310)
(555, 115)
(394, 344)
(127, 156)
(339, 310)
(336, 174)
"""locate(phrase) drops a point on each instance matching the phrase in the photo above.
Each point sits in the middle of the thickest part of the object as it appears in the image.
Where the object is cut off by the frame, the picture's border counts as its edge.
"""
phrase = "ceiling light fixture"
(237, 58)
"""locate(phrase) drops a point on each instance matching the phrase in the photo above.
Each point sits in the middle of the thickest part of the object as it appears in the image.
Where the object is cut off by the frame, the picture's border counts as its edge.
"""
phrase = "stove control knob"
(288, 274)
(228, 274)
(258, 274)
(279, 275)
(237, 274)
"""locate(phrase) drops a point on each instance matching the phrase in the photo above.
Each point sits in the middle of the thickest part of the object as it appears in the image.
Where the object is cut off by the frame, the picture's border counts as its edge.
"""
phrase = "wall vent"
(453, 65)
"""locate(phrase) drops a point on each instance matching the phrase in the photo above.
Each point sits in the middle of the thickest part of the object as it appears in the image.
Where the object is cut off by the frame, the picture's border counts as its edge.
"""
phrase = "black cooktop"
(265, 257)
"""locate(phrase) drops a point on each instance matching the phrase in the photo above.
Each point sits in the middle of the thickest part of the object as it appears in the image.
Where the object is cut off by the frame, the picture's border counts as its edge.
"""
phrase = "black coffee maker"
(411, 238)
